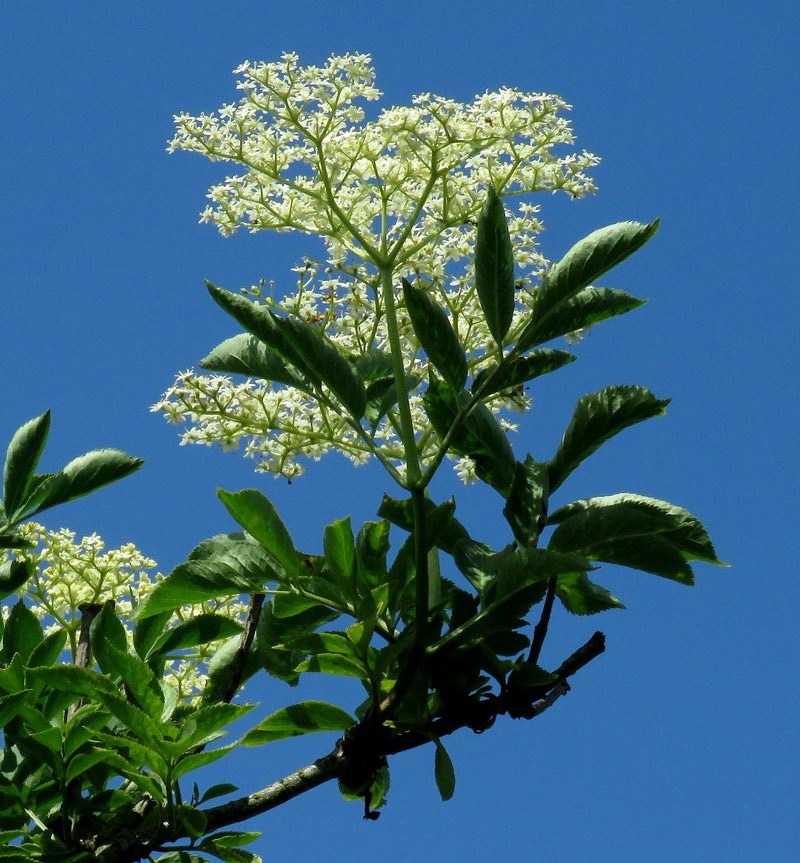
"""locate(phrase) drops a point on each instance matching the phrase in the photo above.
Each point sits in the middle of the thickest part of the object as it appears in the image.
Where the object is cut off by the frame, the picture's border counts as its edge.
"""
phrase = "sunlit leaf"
(307, 717)
(244, 354)
(518, 371)
(22, 457)
(581, 596)
(597, 418)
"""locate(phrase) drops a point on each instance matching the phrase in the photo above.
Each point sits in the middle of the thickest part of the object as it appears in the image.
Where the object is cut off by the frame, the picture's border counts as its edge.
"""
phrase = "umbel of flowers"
(394, 197)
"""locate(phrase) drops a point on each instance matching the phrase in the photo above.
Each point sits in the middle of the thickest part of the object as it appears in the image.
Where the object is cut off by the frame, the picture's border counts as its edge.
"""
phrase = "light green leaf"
(597, 418)
(307, 717)
(86, 474)
(220, 790)
(581, 596)
(256, 514)
(444, 772)
(520, 370)
(334, 663)
(48, 651)
(372, 546)
(11, 705)
(22, 457)
(225, 565)
(200, 759)
(340, 553)
(246, 355)
(22, 633)
(436, 335)
(494, 268)
(585, 262)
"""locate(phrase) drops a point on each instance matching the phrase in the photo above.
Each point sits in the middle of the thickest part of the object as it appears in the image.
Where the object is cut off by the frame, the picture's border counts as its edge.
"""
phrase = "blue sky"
(680, 742)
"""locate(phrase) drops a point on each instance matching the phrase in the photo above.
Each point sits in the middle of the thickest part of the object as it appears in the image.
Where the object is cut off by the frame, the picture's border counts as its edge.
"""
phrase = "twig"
(540, 630)
(83, 655)
(243, 650)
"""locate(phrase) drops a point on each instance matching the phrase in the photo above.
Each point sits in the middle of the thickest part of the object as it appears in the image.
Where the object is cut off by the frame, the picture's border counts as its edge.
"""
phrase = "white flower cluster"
(70, 573)
(399, 193)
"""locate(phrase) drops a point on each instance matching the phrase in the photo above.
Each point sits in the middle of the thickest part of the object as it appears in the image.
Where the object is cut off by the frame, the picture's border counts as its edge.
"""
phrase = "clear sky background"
(680, 743)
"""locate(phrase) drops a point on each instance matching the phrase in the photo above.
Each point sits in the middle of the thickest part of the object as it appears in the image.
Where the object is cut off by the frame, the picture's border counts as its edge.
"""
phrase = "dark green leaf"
(436, 335)
(581, 596)
(588, 307)
(192, 820)
(304, 718)
(526, 506)
(22, 457)
(206, 723)
(586, 261)
(301, 345)
(10, 705)
(86, 474)
(653, 554)
(494, 268)
(477, 435)
(443, 771)
(198, 630)
(246, 355)
(517, 371)
(674, 523)
(333, 663)
(149, 630)
(222, 566)
(22, 633)
(598, 417)
(400, 513)
(254, 512)
(13, 575)
(223, 664)
(382, 395)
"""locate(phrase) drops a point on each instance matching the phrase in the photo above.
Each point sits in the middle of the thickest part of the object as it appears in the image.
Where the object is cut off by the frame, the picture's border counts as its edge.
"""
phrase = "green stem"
(407, 435)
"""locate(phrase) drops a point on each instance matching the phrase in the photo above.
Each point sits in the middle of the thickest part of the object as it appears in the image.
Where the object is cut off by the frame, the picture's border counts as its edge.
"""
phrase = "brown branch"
(478, 715)
(243, 650)
(83, 655)
(540, 630)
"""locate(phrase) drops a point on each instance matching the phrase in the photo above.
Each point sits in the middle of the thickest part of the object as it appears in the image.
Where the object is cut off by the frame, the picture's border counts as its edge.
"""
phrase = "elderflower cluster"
(399, 193)
(70, 573)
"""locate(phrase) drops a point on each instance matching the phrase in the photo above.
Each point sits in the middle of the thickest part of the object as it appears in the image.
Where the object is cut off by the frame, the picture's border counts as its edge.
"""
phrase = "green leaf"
(302, 345)
(22, 633)
(372, 546)
(48, 651)
(223, 566)
(515, 372)
(22, 457)
(205, 723)
(436, 335)
(400, 513)
(142, 685)
(477, 435)
(494, 268)
(246, 355)
(219, 790)
(307, 717)
(382, 395)
(256, 514)
(86, 474)
(340, 552)
(202, 629)
(581, 596)
(11, 705)
(597, 418)
(588, 307)
(13, 575)
(527, 500)
(586, 261)
(148, 631)
(653, 554)
(444, 772)
(334, 663)
(200, 759)
(674, 523)
(192, 820)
